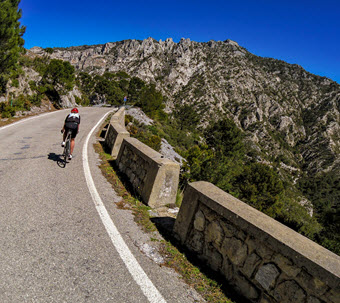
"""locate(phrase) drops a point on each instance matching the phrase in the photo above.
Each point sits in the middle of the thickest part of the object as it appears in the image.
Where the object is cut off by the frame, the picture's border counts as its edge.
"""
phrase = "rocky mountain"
(289, 115)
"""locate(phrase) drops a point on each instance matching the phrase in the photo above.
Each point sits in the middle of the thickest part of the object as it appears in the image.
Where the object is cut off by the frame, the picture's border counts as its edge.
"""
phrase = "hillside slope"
(286, 111)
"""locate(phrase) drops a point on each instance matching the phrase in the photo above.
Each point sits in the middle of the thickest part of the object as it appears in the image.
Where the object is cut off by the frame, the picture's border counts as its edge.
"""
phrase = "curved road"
(54, 244)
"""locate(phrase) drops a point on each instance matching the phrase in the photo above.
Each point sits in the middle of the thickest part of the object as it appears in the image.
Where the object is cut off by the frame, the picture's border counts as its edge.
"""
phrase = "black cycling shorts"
(73, 131)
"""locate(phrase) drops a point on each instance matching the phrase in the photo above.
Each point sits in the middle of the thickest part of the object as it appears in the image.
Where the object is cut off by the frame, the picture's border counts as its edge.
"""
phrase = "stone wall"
(119, 117)
(264, 260)
(114, 137)
(153, 177)
(116, 132)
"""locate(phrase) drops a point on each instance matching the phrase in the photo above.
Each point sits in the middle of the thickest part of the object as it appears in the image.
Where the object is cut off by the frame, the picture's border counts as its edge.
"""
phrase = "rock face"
(23, 87)
(69, 99)
(290, 112)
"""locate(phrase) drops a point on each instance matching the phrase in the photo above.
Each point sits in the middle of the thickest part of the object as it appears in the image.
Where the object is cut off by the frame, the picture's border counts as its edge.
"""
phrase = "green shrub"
(6, 110)
(60, 74)
(151, 102)
(15, 83)
(33, 85)
(21, 103)
(128, 119)
(35, 99)
(189, 118)
(287, 211)
(49, 50)
(82, 101)
(259, 185)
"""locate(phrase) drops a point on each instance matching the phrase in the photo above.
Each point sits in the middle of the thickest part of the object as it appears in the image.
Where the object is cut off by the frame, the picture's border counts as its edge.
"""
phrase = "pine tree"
(11, 41)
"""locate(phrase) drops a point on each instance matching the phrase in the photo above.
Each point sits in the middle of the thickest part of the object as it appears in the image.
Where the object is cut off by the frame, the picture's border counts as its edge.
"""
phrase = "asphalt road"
(54, 246)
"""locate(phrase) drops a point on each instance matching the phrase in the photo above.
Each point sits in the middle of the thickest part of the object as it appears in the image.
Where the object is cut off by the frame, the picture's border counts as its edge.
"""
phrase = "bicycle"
(67, 147)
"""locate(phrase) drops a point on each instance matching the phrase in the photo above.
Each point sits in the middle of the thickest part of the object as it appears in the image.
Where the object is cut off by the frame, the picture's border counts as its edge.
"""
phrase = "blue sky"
(302, 32)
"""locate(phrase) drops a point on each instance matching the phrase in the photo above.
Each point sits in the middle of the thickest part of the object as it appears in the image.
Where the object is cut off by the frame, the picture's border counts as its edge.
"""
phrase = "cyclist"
(71, 123)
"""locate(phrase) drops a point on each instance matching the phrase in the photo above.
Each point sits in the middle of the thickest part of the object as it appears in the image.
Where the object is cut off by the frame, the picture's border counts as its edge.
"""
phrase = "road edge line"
(134, 268)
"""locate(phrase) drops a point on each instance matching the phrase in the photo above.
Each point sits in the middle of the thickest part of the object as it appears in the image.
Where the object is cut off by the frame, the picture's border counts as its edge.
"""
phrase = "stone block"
(313, 300)
(119, 117)
(286, 266)
(250, 264)
(128, 173)
(196, 241)
(135, 183)
(227, 269)
(312, 284)
(246, 288)
(228, 229)
(288, 292)
(252, 244)
(333, 296)
(214, 233)
(132, 177)
(266, 276)
(125, 152)
(241, 235)
(267, 299)
(264, 252)
(199, 222)
(235, 249)
(213, 257)
(143, 174)
(209, 214)
(134, 165)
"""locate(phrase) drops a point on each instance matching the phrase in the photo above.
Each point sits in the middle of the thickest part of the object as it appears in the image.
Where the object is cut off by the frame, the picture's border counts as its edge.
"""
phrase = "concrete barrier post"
(119, 117)
(114, 138)
(154, 178)
(116, 132)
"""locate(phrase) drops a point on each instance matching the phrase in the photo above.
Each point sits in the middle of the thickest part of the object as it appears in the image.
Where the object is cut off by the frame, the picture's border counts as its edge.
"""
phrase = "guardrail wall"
(152, 176)
(116, 132)
(263, 259)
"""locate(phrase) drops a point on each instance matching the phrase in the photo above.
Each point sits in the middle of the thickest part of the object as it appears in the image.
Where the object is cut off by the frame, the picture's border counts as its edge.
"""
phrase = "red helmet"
(74, 110)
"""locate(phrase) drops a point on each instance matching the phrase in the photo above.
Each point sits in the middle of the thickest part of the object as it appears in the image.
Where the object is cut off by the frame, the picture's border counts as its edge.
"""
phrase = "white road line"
(26, 119)
(136, 271)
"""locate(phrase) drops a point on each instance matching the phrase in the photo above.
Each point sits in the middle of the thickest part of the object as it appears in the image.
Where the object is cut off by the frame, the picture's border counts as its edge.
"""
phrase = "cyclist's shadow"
(57, 158)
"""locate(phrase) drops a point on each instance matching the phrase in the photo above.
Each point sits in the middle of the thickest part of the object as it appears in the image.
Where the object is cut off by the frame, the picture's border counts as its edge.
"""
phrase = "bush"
(82, 101)
(35, 99)
(187, 118)
(150, 140)
(287, 211)
(151, 101)
(3, 83)
(21, 103)
(15, 83)
(59, 74)
(6, 110)
(259, 185)
(49, 50)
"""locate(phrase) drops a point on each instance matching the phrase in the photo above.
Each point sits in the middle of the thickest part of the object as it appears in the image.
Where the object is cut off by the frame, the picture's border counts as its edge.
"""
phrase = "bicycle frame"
(67, 148)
